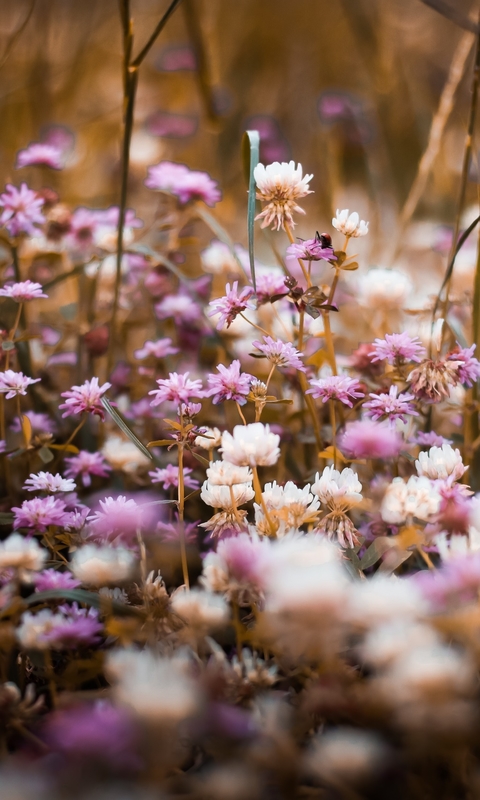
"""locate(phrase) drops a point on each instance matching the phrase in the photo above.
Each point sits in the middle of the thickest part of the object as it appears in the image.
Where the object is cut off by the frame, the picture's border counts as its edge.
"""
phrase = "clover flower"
(336, 387)
(279, 186)
(102, 566)
(230, 384)
(159, 349)
(282, 354)
(23, 291)
(416, 497)
(202, 611)
(18, 552)
(237, 569)
(185, 184)
(391, 406)
(84, 465)
(338, 490)
(232, 304)
(21, 210)
(51, 578)
(39, 513)
(432, 381)
(396, 348)
(177, 388)
(208, 438)
(123, 455)
(180, 307)
(350, 224)
(441, 463)
(14, 383)
(226, 497)
(224, 473)
(468, 366)
(118, 518)
(169, 477)
(40, 154)
(46, 482)
(316, 249)
(289, 507)
(85, 399)
(430, 439)
(251, 445)
(270, 286)
(69, 627)
(368, 439)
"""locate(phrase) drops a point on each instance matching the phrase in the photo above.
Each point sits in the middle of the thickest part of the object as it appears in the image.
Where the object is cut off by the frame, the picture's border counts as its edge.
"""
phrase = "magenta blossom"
(169, 477)
(85, 398)
(391, 406)
(230, 384)
(231, 304)
(21, 210)
(23, 291)
(282, 354)
(41, 423)
(73, 627)
(270, 286)
(336, 387)
(185, 184)
(86, 464)
(368, 439)
(397, 348)
(39, 513)
(40, 154)
(15, 383)
(176, 389)
(468, 365)
(83, 226)
(317, 249)
(158, 349)
(50, 579)
(118, 518)
(430, 439)
(180, 307)
(170, 531)
(46, 482)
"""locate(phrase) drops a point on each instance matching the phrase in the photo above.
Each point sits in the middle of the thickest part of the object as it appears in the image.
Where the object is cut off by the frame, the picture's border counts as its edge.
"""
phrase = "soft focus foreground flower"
(86, 464)
(348, 756)
(251, 445)
(46, 482)
(350, 224)
(416, 497)
(238, 568)
(40, 154)
(397, 348)
(336, 387)
(159, 349)
(169, 477)
(117, 518)
(391, 406)
(441, 463)
(85, 398)
(176, 389)
(280, 186)
(21, 210)
(339, 490)
(282, 354)
(368, 439)
(54, 579)
(233, 303)
(39, 513)
(20, 553)
(23, 291)
(183, 183)
(69, 627)
(229, 384)
(387, 289)
(102, 566)
(15, 383)
(202, 611)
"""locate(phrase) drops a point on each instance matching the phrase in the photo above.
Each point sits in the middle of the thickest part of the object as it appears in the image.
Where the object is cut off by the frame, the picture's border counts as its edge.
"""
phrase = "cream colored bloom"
(208, 439)
(201, 610)
(251, 445)
(338, 490)
(31, 632)
(99, 566)
(123, 455)
(221, 496)
(224, 473)
(384, 288)
(350, 224)
(280, 186)
(288, 506)
(416, 497)
(441, 463)
(17, 552)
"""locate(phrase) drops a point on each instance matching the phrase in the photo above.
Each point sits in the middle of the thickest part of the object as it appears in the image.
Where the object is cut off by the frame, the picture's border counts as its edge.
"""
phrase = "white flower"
(433, 670)
(279, 186)
(221, 496)
(441, 463)
(123, 455)
(200, 609)
(224, 473)
(457, 545)
(388, 641)
(99, 566)
(338, 490)
(384, 288)
(287, 505)
(383, 599)
(20, 553)
(417, 497)
(46, 482)
(31, 632)
(209, 438)
(251, 445)
(350, 224)
(346, 756)
(158, 689)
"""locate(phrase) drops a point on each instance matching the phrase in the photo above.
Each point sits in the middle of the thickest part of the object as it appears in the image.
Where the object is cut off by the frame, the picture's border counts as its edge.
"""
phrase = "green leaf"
(82, 596)
(375, 552)
(251, 155)
(125, 428)
(219, 232)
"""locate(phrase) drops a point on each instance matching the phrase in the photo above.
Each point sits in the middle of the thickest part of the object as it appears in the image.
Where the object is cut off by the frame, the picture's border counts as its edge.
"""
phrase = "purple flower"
(282, 354)
(40, 154)
(86, 464)
(176, 389)
(269, 285)
(312, 249)
(41, 423)
(54, 579)
(39, 513)
(171, 531)
(84, 398)
(391, 406)
(23, 291)
(83, 225)
(231, 304)
(169, 477)
(430, 439)
(21, 210)
(398, 347)
(74, 627)
(118, 518)
(180, 307)
(230, 384)
(468, 365)
(336, 387)
(46, 482)
(15, 383)
(183, 183)
(158, 349)
(369, 439)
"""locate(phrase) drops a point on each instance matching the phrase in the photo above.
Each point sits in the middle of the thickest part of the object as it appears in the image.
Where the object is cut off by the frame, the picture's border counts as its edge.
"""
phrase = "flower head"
(224, 473)
(289, 507)
(226, 497)
(282, 354)
(397, 348)
(416, 497)
(338, 490)
(85, 464)
(430, 439)
(100, 566)
(441, 463)
(270, 286)
(208, 438)
(181, 307)
(312, 249)
(39, 513)
(21, 210)
(40, 154)
(70, 626)
(169, 477)
(18, 552)
(391, 406)
(468, 366)
(233, 303)
(431, 381)
(117, 518)
(15, 383)
(368, 439)
(350, 224)
(251, 445)
(46, 482)
(280, 186)
(85, 398)
(229, 384)
(176, 389)
(185, 184)
(23, 291)
(159, 349)
(54, 579)
(336, 387)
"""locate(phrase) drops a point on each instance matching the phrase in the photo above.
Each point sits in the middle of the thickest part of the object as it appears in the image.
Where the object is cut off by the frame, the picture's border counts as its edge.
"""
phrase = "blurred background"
(348, 88)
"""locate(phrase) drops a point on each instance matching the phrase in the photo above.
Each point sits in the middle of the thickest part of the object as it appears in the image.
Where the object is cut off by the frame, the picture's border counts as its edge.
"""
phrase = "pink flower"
(86, 464)
(170, 531)
(391, 406)
(83, 225)
(181, 307)
(336, 387)
(39, 513)
(282, 354)
(15, 383)
(118, 518)
(41, 423)
(398, 347)
(231, 304)
(176, 389)
(431, 439)
(158, 349)
(46, 482)
(73, 627)
(369, 439)
(21, 210)
(169, 477)
(468, 365)
(54, 579)
(40, 154)
(270, 286)
(23, 291)
(183, 183)
(313, 249)
(93, 735)
(85, 398)
(230, 384)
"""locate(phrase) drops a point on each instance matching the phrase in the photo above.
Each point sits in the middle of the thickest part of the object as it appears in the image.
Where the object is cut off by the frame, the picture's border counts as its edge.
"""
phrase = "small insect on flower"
(279, 186)
(317, 249)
